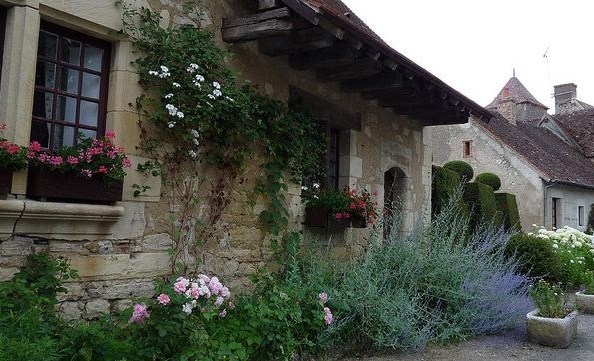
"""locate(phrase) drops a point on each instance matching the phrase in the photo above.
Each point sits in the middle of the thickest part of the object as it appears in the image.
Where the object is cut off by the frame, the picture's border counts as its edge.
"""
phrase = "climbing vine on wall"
(197, 114)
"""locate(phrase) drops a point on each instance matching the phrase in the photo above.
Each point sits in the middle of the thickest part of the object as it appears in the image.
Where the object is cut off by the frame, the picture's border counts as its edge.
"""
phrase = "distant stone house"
(317, 54)
(541, 158)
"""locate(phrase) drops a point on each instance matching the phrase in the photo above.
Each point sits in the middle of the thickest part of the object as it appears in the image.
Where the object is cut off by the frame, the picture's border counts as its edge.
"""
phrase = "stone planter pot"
(555, 332)
(585, 303)
(45, 184)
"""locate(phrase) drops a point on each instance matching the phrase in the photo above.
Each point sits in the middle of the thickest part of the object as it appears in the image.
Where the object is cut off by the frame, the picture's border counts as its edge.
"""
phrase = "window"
(70, 87)
(555, 212)
(2, 30)
(467, 148)
(333, 159)
(580, 215)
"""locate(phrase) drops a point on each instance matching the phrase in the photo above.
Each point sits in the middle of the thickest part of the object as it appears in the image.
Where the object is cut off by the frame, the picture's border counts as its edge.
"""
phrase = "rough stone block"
(121, 305)
(95, 308)
(120, 289)
(157, 242)
(7, 273)
(585, 303)
(70, 311)
(17, 246)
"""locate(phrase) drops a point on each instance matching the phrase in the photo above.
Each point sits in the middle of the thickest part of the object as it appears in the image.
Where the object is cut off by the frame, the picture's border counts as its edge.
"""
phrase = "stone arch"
(396, 200)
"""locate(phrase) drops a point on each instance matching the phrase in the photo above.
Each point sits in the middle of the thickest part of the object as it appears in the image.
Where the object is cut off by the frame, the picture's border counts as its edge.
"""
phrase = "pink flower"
(223, 313)
(102, 169)
(338, 216)
(72, 160)
(3, 127)
(163, 299)
(56, 160)
(87, 173)
(345, 215)
(127, 163)
(13, 148)
(140, 313)
(181, 285)
(219, 301)
(328, 318)
(110, 134)
(323, 297)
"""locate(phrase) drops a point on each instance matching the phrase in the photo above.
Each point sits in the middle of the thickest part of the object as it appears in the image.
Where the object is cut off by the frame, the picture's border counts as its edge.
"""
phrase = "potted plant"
(584, 299)
(92, 170)
(551, 324)
(339, 208)
(12, 158)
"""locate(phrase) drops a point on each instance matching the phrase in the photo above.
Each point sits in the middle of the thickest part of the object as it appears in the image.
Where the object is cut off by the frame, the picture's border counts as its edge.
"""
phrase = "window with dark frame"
(2, 31)
(554, 211)
(70, 87)
(332, 172)
(580, 215)
(467, 148)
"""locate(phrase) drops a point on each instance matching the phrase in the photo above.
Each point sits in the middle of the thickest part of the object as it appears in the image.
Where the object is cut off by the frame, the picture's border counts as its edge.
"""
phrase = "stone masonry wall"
(118, 262)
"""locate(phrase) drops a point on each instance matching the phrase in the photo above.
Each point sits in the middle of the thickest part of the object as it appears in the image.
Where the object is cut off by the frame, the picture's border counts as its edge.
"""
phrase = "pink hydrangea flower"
(328, 318)
(181, 285)
(323, 297)
(140, 313)
(163, 299)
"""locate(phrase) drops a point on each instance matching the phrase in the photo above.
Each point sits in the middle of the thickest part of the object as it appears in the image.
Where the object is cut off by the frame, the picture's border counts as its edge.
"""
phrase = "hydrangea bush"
(574, 248)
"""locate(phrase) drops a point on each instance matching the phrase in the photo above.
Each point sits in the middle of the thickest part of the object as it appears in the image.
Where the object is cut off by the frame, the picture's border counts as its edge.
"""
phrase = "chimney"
(564, 96)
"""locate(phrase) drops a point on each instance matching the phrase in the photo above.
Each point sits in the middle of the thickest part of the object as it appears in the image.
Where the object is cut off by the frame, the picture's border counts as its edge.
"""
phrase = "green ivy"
(198, 111)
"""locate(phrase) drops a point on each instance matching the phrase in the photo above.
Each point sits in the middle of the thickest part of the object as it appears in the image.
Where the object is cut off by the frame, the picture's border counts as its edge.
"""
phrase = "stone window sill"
(57, 220)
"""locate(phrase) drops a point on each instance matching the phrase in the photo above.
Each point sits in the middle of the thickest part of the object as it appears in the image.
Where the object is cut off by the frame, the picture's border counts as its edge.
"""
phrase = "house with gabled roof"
(542, 158)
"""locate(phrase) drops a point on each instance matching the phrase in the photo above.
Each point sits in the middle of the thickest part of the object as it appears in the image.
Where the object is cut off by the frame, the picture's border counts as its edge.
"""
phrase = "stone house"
(375, 102)
(541, 158)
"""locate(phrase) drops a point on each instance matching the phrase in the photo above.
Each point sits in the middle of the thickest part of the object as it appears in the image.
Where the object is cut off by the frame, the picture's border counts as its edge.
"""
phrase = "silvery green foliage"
(441, 282)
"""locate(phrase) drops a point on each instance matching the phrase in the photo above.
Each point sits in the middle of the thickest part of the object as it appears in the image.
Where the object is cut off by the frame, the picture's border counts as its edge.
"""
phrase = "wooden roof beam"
(361, 68)
(384, 80)
(337, 55)
(268, 23)
(296, 42)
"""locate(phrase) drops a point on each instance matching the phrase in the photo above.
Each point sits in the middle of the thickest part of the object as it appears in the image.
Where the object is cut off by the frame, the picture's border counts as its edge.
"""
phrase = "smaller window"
(467, 148)
(580, 215)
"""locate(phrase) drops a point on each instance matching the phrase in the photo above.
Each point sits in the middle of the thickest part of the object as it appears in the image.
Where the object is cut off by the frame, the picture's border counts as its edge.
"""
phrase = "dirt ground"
(509, 346)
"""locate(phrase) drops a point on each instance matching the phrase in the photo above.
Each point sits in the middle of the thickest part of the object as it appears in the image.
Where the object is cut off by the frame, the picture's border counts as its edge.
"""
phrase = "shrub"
(489, 179)
(399, 295)
(444, 184)
(481, 199)
(536, 257)
(549, 299)
(507, 206)
(462, 168)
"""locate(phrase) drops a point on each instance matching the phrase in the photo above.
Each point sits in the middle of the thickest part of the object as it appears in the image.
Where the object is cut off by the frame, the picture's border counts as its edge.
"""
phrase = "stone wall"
(119, 250)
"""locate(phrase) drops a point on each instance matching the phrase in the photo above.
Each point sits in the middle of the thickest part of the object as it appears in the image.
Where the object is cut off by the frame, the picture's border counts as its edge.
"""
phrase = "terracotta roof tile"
(580, 125)
(554, 158)
(516, 91)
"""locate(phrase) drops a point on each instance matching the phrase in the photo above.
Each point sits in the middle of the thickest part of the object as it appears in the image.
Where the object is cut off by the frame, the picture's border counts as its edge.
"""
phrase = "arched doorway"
(395, 200)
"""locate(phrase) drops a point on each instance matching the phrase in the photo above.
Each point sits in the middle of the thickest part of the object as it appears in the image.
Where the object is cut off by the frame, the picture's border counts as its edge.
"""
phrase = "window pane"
(88, 133)
(70, 51)
(45, 75)
(89, 112)
(66, 109)
(93, 58)
(43, 104)
(48, 45)
(63, 136)
(69, 80)
(90, 86)
(40, 132)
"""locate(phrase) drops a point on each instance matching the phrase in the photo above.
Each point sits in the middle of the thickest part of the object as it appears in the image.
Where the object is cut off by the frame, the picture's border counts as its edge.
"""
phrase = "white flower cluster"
(195, 136)
(164, 73)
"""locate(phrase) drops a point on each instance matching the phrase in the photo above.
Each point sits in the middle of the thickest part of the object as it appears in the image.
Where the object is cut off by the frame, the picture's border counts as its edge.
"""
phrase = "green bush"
(489, 179)
(481, 199)
(444, 184)
(508, 208)
(536, 256)
(462, 168)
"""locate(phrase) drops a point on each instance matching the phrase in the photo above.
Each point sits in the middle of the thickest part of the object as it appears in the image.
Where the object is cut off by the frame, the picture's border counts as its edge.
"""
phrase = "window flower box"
(322, 217)
(5, 182)
(44, 183)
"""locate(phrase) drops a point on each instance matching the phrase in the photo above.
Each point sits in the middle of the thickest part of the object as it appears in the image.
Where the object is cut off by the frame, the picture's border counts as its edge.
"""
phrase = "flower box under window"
(53, 185)
(323, 218)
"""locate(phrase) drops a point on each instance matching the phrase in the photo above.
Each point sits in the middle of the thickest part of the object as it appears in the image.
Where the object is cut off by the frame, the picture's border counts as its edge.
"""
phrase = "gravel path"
(509, 346)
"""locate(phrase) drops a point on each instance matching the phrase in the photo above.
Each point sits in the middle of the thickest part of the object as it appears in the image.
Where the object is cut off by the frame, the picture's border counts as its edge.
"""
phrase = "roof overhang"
(317, 39)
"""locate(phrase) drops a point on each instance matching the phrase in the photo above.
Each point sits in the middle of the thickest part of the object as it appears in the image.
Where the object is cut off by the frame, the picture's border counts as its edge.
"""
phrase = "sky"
(474, 45)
